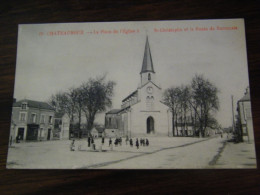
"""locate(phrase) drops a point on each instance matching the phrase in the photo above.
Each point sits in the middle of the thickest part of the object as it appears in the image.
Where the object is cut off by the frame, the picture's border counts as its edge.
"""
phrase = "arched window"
(149, 76)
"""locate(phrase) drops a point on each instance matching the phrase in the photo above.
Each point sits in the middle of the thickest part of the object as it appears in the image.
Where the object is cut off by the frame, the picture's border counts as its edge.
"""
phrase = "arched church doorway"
(150, 125)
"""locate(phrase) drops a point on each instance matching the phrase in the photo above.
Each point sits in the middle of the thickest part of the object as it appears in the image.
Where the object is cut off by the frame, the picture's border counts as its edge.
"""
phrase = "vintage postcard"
(132, 95)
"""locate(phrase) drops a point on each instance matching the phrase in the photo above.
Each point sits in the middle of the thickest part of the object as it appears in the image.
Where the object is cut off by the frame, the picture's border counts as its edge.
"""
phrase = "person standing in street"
(88, 141)
(147, 142)
(137, 143)
(72, 145)
(131, 142)
(110, 142)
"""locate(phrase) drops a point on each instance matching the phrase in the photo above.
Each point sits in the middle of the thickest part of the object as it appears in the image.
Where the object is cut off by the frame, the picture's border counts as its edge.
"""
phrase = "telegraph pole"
(233, 120)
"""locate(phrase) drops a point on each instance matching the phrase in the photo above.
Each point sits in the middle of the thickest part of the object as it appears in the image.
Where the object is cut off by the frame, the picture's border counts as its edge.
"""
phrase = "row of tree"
(193, 105)
(87, 100)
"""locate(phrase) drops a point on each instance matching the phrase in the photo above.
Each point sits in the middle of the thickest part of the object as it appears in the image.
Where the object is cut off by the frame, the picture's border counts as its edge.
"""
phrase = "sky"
(48, 61)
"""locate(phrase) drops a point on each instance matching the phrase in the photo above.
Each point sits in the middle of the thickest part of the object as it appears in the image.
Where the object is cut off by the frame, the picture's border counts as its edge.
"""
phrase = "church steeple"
(147, 61)
(147, 72)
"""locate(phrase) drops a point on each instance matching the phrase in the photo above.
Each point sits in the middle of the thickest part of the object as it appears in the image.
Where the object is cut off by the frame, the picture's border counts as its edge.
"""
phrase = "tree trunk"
(176, 124)
(173, 126)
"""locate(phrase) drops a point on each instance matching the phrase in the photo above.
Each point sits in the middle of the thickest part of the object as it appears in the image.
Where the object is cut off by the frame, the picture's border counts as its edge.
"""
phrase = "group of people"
(143, 142)
(117, 142)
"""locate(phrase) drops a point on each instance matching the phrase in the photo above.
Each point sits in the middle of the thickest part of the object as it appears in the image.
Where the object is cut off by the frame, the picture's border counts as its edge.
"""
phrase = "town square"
(162, 153)
(137, 107)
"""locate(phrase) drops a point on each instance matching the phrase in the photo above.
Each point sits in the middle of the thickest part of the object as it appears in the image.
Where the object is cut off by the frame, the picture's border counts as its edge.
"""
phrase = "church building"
(142, 112)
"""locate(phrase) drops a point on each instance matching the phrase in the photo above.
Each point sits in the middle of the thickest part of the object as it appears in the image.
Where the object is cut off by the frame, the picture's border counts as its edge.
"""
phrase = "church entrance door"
(150, 125)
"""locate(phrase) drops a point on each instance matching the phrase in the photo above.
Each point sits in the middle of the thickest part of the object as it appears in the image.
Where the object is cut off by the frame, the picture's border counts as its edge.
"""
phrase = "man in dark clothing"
(137, 143)
(116, 142)
(131, 142)
(147, 142)
(17, 139)
(110, 142)
(143, 142)
(120, 141)
(88, 141)
(103, 140)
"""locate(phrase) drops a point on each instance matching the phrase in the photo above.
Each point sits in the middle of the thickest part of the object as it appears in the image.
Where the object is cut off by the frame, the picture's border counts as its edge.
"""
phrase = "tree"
(90, 98)
(75, 101)
(171, 99)
(56, 101)
(97, 97)
(184, 99)
(204, 101)
(65, 102)
(62, 103)
(178, 99)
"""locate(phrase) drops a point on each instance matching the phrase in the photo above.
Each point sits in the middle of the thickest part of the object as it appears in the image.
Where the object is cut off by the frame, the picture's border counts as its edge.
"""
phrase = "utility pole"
(233, 120)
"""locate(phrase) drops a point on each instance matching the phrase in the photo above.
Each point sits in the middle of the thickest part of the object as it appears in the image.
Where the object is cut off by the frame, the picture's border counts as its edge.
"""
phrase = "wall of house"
(246, 120)
(65, 127)
(43, 125)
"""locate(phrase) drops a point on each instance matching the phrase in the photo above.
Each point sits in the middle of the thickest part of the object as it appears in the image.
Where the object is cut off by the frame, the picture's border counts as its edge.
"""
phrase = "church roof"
(150, 82)
(114, 111)
(147, 61)
(246, 96)
(133, 93)
(33, 104)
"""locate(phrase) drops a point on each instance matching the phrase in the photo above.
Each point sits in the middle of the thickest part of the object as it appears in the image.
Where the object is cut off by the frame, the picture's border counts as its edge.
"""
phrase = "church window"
(149, 76)
(149, 103)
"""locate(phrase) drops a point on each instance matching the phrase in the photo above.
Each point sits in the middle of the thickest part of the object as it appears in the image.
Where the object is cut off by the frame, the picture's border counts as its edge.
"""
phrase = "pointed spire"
(147, 61)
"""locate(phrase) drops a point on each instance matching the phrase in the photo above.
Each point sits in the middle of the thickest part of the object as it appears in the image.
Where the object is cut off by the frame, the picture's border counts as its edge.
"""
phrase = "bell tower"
(147, 73)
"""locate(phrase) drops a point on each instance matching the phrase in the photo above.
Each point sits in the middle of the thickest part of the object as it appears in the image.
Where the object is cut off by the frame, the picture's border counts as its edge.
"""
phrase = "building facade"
(245, 117)
(142, 111)
(61, 126)
(31, 120)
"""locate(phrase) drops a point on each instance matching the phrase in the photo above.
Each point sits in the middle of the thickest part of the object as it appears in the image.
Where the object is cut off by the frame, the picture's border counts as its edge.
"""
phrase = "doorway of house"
(20, 133)
(49, 134)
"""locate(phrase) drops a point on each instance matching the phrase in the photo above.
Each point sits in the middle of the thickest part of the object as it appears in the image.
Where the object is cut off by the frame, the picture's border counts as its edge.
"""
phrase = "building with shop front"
(245, 117)
(31, 121)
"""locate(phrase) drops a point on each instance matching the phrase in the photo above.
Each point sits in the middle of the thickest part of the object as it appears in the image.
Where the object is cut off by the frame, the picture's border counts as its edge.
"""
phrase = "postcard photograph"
(132, 95)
